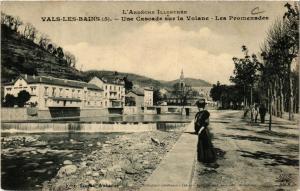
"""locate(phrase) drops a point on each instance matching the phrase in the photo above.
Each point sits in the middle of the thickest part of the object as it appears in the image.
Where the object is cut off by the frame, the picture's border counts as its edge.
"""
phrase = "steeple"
(181, 80)
(181, 75)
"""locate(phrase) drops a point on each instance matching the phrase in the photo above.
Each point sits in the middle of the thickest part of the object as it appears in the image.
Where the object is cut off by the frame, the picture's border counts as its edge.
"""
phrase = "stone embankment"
(123, 162)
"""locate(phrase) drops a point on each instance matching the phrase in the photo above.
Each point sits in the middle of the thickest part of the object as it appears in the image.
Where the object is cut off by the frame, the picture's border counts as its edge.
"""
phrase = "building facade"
(113, 92)
(141, 97)
(148, 97)
(49, 92)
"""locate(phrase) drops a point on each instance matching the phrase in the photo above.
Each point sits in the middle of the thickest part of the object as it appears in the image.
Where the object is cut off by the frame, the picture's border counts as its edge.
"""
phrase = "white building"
(49, 92)
(143, 97)
(148, 97)
(113, 91)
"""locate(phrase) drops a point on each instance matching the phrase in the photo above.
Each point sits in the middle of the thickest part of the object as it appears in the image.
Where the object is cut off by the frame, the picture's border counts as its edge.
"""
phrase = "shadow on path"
(277, 158)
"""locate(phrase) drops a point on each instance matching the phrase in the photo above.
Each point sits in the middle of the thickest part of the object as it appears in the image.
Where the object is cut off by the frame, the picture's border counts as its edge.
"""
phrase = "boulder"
(105, 182)
(49, 162)
(103, 171)
(95, 174)
(90, 145)
(130, 170)
(155, 141)
(67, 162)
(66, 170)
(92, 182)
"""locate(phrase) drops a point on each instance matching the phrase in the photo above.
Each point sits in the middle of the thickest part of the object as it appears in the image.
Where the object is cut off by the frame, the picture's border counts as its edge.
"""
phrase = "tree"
(156, 96)
(60, 53)
(16, 23)
(9, 100)
(216, 92)
(183, 93)
(128, 84)
(23, 97)
(245, 73)
(30, 32)
(44, 41)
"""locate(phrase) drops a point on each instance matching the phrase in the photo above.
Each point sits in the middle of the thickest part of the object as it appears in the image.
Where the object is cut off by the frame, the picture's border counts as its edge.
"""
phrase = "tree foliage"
(29, 32)
(23, 97)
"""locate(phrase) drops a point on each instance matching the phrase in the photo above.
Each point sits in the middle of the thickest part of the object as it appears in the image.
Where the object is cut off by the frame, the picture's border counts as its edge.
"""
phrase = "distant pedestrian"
(205, 149)
(255, 113)
(262, 113)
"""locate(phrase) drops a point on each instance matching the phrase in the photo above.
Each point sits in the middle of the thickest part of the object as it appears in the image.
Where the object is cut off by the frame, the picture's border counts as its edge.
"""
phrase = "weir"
(89, 127)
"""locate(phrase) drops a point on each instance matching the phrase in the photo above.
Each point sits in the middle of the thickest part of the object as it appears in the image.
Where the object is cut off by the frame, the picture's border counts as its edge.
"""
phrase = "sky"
(160, 50)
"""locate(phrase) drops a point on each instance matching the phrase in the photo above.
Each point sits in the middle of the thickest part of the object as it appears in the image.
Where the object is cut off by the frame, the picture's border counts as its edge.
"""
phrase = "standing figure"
(254, 113)
(262, 113)
(205, 149)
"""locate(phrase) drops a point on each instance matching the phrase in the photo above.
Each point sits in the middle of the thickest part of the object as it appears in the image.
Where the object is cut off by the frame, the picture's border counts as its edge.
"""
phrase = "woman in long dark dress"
(205, 149)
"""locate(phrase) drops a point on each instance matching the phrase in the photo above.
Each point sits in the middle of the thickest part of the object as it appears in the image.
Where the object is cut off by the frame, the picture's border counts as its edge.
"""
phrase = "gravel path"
(249, 156)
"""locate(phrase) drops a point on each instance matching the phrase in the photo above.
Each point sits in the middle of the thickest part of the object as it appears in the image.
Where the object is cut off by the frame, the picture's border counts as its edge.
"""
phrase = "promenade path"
(175, 172)
(249, 157)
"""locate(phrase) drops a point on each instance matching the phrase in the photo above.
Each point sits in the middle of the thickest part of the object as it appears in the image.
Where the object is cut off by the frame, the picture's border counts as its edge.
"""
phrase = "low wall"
(130, 110)
(22, 114)
(93, 112)
(150, 110)
(8, 114)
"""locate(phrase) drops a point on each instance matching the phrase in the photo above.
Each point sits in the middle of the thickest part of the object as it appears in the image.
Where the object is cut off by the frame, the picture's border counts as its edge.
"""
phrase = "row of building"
(47, 91)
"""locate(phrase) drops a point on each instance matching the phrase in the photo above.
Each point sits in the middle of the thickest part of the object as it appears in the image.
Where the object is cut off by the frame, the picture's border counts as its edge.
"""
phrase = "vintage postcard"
(149, 95)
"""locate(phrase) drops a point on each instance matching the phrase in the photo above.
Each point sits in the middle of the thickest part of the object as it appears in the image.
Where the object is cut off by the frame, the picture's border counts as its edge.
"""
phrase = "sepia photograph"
(150, 95)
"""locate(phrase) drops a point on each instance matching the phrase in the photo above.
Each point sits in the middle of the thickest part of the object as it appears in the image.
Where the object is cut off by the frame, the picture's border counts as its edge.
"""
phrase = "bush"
(23, 97)
(9, 100)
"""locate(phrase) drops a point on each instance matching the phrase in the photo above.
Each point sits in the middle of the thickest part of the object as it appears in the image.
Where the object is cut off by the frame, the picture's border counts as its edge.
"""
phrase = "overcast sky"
(203, 49)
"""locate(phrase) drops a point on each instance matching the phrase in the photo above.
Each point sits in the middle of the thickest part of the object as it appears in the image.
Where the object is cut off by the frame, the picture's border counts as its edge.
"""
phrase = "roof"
(116, 81)
(149, 89)
(138, 91)
(57, 81)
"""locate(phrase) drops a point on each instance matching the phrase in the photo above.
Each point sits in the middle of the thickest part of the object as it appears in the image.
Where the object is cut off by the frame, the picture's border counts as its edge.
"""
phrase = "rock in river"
(95, 174)
(67, 162)
(105, 182)
(66, 170)
(92, 182)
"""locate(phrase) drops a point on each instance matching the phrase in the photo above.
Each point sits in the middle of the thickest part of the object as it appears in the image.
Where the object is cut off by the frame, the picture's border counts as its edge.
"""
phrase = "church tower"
(181, 80)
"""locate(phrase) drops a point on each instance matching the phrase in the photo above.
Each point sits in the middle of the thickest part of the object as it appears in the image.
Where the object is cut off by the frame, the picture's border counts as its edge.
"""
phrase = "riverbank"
(125, 161)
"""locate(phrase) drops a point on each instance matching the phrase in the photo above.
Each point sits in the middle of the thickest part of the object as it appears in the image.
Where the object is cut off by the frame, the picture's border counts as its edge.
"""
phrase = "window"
(106, 87)
(57, 102)
(53, 91)
(46, 90)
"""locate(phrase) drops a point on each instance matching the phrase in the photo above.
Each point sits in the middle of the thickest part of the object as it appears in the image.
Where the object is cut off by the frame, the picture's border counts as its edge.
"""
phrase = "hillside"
(192, 82)
(142, 80)
(20, 55)
(136, 79)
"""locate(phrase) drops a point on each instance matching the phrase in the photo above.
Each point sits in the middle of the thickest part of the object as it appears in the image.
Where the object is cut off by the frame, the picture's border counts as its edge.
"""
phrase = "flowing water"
(28, 159)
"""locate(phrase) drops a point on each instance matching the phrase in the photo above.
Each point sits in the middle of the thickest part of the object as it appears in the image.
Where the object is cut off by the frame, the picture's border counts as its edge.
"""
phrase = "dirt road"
(249, 156)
